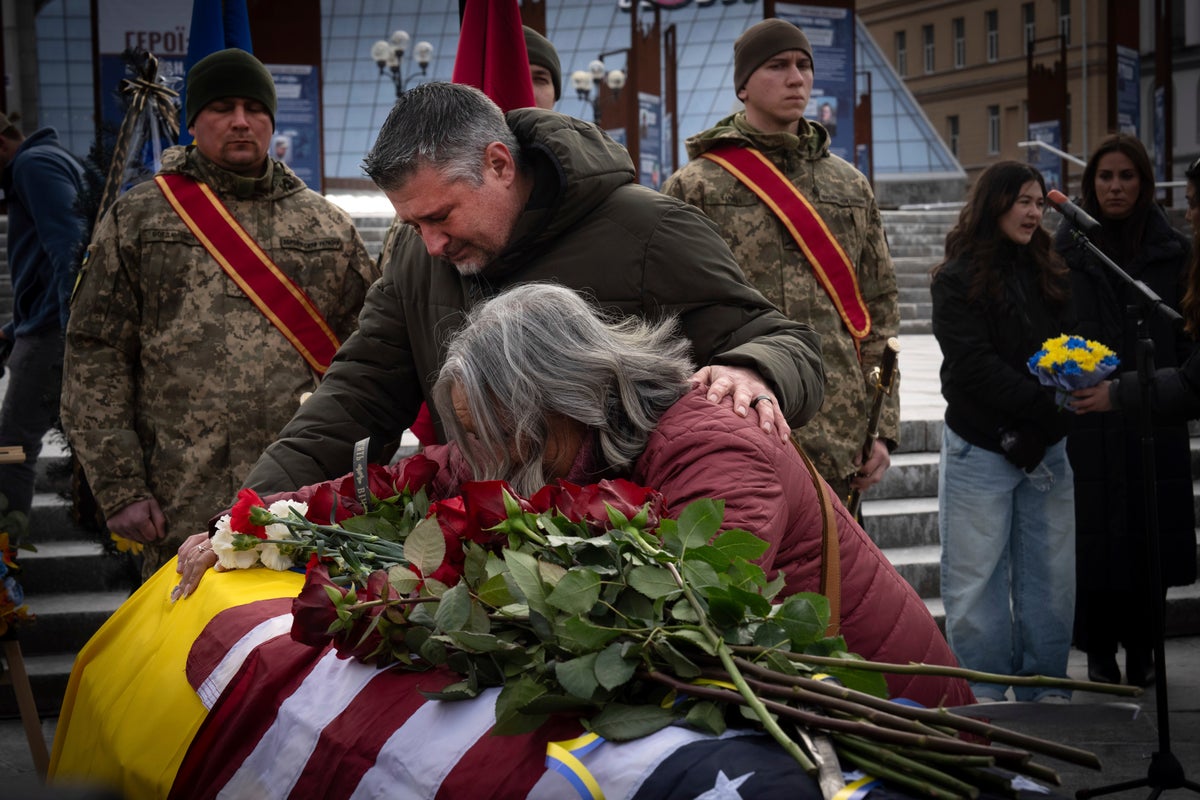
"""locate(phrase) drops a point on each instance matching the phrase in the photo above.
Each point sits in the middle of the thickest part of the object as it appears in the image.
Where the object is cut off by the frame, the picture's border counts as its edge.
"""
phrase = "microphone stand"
(1165, 771)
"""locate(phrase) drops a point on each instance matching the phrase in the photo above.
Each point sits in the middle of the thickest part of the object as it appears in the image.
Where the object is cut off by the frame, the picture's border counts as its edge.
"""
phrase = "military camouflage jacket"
(174, 381)
(779, 269)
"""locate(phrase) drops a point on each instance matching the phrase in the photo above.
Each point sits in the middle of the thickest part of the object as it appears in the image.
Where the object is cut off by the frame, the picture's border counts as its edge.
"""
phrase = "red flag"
(491, 53)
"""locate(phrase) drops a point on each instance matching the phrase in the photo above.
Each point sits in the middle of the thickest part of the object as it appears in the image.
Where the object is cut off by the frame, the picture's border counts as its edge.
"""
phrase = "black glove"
(1023, 446)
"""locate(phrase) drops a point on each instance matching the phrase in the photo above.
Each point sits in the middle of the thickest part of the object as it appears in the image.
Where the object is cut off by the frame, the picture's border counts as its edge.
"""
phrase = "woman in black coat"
(1113, 596)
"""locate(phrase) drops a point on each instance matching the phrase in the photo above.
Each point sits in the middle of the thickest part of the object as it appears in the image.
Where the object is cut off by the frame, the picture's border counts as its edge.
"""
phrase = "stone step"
(932, 252)
(915, 296)
(51, 520)
(1182, 612)
(48, 675)
(901, 522)
(65, 621)
(916, 326)
(75, 566)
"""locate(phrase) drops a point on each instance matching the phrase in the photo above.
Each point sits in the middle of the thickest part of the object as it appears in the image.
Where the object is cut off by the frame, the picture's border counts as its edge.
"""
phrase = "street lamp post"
(389, 54)
(587, 82)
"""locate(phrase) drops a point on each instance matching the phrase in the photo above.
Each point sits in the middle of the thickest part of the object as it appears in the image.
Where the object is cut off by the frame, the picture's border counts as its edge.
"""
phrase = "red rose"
(326, 506)
(416, 473)
(364, 636)
(312, 611)
(452, 519)
(239, 515)
(485, 510)
(587, 503)
(379, 482)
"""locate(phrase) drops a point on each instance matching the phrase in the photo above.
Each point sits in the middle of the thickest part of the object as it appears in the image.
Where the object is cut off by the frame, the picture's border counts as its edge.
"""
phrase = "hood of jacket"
(575, 165)
(812, 141)
(279, 181)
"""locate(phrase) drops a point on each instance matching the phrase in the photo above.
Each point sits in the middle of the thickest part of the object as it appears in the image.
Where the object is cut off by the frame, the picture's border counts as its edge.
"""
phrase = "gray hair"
(540, 349)
(444, 125)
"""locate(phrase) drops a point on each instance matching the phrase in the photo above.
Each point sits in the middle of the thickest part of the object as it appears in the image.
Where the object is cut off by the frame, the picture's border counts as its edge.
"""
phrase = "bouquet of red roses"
(592, 600)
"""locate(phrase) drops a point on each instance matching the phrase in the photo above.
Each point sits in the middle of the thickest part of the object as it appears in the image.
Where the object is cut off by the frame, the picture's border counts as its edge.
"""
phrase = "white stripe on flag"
(412, 764)
(277, 761)
(223, 673)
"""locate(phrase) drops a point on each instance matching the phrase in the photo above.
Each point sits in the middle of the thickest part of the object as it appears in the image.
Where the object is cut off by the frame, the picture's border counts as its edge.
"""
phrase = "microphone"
(1073, 213)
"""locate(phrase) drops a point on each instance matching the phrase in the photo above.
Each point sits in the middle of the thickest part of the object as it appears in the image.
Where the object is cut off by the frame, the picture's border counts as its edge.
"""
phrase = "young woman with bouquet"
(1004, 490)
(1115, 603)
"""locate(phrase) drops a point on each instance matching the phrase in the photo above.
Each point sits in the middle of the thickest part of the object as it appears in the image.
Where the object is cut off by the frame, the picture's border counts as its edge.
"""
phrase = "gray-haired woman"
(539, 386)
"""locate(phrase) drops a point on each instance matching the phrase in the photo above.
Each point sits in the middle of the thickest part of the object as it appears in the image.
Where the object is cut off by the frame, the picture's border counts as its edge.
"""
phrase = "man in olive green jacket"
(490, 201)
(773, 74)
(174, 380)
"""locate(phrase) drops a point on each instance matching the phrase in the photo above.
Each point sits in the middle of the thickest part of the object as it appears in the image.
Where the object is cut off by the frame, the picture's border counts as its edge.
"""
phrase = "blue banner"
(650, 133)
(297, 140)
(1045, 161)
(1128, 91)
(830, 31)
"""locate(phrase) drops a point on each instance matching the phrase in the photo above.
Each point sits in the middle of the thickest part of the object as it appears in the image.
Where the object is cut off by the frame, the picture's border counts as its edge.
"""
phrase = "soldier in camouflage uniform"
(773, 75)
(174, 381)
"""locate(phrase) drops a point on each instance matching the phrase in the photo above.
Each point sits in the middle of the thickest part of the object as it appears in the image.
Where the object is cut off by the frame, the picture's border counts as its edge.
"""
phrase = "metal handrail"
(1035, 144)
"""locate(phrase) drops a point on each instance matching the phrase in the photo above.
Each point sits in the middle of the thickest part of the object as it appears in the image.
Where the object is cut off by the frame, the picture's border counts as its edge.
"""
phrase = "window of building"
(927, 42)
(952, 133)
(993, 129)
(1064, 19)
(992, 25)
(959, 26)
(1027, 25)
(901, 53)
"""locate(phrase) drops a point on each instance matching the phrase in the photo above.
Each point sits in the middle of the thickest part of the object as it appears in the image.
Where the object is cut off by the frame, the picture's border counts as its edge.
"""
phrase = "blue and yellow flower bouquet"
(1067, 363)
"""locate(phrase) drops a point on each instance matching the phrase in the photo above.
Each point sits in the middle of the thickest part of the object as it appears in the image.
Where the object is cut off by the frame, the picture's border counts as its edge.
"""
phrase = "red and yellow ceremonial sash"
(274, 294)
(829, 261)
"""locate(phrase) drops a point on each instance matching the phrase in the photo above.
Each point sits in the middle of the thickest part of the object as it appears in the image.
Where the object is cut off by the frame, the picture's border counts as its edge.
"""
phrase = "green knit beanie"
(542, 54)
(762, 41)
(228, 73)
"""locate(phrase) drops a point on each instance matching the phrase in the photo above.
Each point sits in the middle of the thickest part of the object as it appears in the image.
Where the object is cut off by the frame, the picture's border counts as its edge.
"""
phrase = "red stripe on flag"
(242, 715)
(512, 764)
(225, 630)
(491, 53)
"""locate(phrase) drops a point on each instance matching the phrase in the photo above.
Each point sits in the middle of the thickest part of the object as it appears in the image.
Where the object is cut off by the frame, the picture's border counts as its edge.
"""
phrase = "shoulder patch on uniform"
(87, 256)
(296, 243)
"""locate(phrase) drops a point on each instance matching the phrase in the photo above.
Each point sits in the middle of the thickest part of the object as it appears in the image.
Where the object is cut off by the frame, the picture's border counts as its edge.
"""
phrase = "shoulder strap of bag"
(831, 564)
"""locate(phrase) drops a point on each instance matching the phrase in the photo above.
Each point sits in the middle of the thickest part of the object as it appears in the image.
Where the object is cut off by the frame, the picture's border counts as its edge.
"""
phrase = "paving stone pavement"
(1123, 733)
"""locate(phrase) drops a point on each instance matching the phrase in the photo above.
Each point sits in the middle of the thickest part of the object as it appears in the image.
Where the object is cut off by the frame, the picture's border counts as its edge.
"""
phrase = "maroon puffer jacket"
(701, 450)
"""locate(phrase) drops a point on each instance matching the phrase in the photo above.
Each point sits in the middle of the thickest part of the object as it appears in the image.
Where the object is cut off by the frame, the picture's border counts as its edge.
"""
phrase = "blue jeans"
(30, 409)
(1008, 563)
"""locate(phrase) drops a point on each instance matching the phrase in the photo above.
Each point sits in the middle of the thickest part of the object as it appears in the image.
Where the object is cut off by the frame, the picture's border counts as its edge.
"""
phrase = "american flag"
(291, 721)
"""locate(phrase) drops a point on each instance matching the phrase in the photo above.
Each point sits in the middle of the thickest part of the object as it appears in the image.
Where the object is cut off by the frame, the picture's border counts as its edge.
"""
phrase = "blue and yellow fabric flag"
(216, 25)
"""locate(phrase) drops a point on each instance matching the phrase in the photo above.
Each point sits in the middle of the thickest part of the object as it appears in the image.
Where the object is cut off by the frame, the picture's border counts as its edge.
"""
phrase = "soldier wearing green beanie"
(773, 76)
(544, 69)
(228, 73)
(176, 311)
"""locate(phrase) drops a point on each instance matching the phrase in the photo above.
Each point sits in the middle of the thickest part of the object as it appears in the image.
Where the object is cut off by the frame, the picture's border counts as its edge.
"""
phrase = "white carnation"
(280, 557)
(228, 556)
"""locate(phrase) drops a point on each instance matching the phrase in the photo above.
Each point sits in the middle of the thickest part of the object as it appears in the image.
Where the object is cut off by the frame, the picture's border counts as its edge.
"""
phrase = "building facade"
(966, 63)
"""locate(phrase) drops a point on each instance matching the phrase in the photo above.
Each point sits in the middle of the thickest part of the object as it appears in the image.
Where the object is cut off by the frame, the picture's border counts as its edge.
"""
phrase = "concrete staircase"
(916, 239)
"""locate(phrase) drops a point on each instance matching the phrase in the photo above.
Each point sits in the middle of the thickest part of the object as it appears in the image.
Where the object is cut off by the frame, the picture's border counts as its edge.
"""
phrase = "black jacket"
(985, 349)
(1105, 449)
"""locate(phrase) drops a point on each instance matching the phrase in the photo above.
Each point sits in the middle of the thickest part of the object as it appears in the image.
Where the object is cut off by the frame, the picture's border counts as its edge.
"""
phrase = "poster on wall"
(830, 31)
(161, 28)
(1128, 87)
(650, 140)
(1046, 161)
(297, 139)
